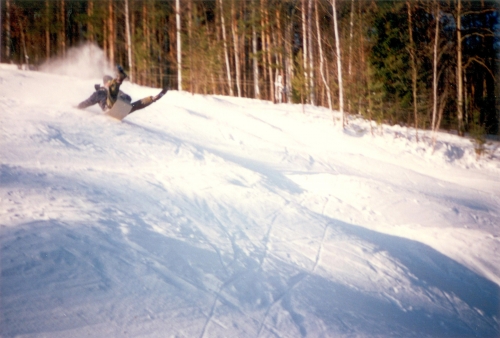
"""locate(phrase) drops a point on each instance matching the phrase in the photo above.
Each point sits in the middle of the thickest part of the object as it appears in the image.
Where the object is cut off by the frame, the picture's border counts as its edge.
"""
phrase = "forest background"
(426, 64)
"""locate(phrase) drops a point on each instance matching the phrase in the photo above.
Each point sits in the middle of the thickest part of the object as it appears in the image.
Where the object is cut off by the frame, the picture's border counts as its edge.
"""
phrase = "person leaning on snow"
(110, 92)
(101, 94)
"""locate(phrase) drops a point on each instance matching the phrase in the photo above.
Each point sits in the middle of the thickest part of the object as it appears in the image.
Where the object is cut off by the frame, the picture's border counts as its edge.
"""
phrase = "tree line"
(428, 64)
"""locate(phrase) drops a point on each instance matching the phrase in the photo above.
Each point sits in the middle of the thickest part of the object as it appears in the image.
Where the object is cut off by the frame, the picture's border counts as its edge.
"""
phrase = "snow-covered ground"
(211, 216)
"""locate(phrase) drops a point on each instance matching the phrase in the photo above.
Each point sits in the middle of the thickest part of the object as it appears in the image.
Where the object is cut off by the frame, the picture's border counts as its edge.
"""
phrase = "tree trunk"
(147, 64)
(192, 86)
(111, 32)
(339, 63)
(413, 69)
(179, 43)
(1, 31)
(460, 115)
(278, 56)
(434, 72)
(349, 67)
(305, 46)
(90, 26)
(351, 27)
(269, 57)
(105, 46)
(7, 31)
(236, 46)
(322, 61)
(256, 88)
(47, 30)
(289, 54)
(129, 42)
(365, 67)
(62, 32)
(23, 41)
(312, 97)
(442, 102)
(145, 44)
(226, 52)
(132, 34)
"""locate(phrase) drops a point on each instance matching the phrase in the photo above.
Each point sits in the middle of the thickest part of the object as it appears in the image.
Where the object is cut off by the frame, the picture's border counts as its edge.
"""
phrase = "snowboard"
(120, 109)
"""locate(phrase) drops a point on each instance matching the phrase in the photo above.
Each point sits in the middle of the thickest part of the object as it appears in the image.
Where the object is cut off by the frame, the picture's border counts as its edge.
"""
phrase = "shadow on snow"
(60, 275)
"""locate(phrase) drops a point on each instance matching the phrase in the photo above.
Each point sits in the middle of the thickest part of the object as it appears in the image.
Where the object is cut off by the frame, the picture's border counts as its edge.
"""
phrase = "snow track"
(206, 216)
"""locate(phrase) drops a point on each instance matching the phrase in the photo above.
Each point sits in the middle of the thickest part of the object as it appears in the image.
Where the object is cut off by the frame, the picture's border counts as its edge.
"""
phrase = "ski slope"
(211, 216)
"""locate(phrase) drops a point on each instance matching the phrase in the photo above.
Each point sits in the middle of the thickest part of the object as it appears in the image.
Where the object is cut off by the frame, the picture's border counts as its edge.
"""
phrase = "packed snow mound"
(211, 216)
(447, 148)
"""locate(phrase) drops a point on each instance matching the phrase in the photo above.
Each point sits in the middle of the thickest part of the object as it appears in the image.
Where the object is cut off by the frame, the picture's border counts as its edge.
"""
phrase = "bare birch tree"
(1, 31)
(23, 42)
(7, 30)
(179, 43)
(111, 32)
(349, 63)
(90, 25)
(312, 97)
(255, 60)
(339, 63)
(267, 44)
(460, 114)
(305, 46)
(434, 72)
(62, 31)
(322, 61)
(226, 52)
(413, 66)
(289, 53)
(236, 46)
(129, 41)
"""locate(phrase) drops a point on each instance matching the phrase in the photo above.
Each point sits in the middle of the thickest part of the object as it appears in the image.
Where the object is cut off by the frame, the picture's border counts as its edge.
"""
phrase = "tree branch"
(475, 59)
(479, 12)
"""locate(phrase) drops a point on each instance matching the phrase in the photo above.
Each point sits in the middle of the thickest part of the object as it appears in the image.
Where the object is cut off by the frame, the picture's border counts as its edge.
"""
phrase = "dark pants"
(140, 104)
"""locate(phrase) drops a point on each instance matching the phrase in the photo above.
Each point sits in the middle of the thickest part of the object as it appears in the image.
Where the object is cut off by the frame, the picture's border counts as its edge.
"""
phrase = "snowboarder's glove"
(121, 71)
(97, 87)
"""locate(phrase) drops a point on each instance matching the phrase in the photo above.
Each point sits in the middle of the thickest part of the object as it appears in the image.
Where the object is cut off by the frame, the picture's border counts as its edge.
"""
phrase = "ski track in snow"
(211, 216)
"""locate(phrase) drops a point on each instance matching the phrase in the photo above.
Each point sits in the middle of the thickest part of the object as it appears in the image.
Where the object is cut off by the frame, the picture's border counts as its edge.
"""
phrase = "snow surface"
(211, 216)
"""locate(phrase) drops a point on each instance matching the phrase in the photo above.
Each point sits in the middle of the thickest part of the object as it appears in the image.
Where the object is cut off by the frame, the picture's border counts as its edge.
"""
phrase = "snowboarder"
(107, 94)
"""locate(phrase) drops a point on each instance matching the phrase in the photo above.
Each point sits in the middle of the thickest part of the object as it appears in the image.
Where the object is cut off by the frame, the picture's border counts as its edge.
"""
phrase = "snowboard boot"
(121, 73)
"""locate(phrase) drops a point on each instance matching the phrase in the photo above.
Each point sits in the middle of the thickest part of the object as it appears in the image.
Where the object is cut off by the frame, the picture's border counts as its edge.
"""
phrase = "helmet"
(106, 78)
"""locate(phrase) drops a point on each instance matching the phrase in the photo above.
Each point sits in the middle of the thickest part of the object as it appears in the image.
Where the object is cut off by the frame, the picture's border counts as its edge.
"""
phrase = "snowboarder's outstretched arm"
(97, 97)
